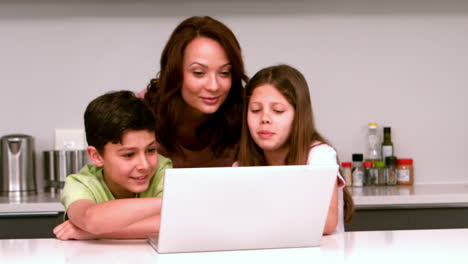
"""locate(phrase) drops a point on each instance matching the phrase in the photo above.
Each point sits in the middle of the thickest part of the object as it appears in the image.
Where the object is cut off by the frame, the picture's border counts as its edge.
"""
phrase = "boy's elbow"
(94, 226)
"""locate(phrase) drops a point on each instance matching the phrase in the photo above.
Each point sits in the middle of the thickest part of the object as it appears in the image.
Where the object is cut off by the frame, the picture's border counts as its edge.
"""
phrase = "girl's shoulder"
(321, 153)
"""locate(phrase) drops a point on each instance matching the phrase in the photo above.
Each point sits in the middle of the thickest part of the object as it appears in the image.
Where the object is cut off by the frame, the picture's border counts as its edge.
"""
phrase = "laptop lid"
(236, 208)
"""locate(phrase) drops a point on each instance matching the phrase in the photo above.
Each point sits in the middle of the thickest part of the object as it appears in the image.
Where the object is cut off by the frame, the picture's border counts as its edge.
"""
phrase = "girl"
(198, 95)
(278, 129)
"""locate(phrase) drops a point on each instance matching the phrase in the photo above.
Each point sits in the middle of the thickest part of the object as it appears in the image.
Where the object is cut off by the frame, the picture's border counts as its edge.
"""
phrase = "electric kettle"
(17, 160)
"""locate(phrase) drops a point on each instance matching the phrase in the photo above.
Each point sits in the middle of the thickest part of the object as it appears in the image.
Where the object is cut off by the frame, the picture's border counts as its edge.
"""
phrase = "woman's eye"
(279, 111)
(198, 73)
(254, 110)
(151, 150)
(225, 73)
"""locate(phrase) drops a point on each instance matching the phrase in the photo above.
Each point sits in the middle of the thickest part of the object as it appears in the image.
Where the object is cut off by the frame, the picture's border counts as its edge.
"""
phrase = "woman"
(198, 95)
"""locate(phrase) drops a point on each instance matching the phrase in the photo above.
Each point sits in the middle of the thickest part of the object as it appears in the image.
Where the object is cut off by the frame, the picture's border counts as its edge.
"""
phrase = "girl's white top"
(322, 154)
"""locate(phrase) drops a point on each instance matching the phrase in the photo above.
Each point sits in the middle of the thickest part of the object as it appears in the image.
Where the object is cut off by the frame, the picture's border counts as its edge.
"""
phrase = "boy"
(118, 196)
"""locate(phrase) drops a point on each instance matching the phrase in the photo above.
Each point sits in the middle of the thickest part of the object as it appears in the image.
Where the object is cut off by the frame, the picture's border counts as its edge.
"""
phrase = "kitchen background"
(401, 63)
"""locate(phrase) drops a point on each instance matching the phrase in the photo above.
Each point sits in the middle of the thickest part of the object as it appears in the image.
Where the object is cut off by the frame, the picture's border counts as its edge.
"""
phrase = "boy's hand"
(67, 230)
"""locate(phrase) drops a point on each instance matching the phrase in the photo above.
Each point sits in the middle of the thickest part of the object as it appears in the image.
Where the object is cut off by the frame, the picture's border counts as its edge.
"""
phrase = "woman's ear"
(94, 156)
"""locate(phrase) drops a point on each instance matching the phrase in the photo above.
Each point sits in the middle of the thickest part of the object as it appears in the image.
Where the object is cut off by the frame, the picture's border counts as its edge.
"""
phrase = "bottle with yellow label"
(373, 147)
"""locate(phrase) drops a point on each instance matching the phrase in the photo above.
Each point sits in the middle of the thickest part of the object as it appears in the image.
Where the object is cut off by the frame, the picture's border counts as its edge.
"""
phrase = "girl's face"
(269, 117)
(206, 75)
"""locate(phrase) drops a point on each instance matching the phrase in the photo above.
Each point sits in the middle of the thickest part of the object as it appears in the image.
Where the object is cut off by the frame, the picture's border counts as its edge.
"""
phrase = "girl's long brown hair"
(293, 86)
(164, 93)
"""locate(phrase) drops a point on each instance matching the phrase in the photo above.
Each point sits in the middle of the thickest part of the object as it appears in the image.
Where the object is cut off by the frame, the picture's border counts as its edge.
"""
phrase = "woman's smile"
(210, 100)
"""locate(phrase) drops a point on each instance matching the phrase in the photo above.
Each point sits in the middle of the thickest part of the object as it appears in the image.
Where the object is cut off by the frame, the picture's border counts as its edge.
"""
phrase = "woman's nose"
(213, 84)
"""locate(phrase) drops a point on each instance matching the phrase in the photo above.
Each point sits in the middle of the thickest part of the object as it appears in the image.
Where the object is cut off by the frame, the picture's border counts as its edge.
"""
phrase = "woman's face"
(206, 75)
(270, 117)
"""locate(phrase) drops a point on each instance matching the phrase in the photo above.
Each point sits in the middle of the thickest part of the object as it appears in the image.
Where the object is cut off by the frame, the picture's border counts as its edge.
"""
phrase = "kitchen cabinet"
(408, 218)
(31, 216)
(29, 225)
(432, 206)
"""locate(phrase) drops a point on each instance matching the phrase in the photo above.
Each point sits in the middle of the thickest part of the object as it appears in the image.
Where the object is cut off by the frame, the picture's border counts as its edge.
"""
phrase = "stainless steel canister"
(66, 162)
(18, 171)
(49, 171)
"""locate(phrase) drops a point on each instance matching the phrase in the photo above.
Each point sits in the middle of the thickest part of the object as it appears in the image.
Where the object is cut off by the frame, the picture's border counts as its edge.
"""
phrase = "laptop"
(239, 208)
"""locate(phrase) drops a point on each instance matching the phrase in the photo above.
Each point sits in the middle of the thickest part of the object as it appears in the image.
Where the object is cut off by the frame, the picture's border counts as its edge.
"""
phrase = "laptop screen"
(233, 208)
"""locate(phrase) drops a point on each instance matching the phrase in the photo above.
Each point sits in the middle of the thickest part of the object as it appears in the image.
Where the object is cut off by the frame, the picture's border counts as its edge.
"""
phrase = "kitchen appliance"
(58, 164)
(17, 175)
(50, 184)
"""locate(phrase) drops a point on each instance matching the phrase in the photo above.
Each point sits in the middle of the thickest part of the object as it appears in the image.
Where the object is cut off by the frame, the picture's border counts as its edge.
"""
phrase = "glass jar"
(369, 178)
(379, 167)
(346, 168)
(405, 171)
(390, 170)
(373, 152)
(358, 170)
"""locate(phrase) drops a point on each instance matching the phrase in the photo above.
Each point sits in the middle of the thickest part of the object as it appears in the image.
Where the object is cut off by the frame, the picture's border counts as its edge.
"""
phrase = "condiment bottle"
(379, 167)
(405, 171)
(390, 170)
(347, 173)
(373, 152)
(368, 173)
(358, 170)
(387, 144)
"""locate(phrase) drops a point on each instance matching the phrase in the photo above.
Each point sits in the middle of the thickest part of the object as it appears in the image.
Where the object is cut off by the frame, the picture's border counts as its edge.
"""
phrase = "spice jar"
(358, 170)
(347, 174)
(379, 167)
(369, 175)
(390, 170)
(405, 172)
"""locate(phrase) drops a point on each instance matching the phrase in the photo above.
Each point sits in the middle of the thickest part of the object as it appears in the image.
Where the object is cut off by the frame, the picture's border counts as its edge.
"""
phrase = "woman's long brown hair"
(164, 93)
(293, 86)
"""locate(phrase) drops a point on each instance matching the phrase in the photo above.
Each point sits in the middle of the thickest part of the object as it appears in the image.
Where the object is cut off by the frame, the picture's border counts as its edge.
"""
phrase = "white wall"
(399, 63)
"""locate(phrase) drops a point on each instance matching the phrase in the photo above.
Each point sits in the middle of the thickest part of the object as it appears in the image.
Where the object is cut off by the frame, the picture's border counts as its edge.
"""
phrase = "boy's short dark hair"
(110, 115)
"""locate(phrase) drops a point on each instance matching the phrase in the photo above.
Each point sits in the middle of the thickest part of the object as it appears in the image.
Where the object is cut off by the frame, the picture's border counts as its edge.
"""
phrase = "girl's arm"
(324, 154)
(332, 218)
(115, 216)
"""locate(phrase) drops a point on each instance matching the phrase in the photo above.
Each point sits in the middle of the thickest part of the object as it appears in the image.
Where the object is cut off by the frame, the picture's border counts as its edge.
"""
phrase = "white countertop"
(416, 196)
(43, 202)
(400, 196)
(415, 246)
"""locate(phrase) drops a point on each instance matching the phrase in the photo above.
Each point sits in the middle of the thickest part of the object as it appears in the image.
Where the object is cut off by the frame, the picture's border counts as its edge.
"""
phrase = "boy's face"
(129, 165)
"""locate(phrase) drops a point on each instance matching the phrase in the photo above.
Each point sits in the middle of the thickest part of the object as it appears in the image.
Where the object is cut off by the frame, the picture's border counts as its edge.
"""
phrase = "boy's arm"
(113, 216)
(68, 230)
(138, 229)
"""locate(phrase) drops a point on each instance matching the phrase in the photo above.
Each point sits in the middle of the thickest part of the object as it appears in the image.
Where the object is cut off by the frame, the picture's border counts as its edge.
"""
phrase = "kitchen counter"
(35, 203)
(415, 246)
(416, 196)
(367, 197)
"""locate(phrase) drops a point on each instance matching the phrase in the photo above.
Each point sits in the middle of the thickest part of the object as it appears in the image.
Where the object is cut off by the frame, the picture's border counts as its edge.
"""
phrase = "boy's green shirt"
(89, 184)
